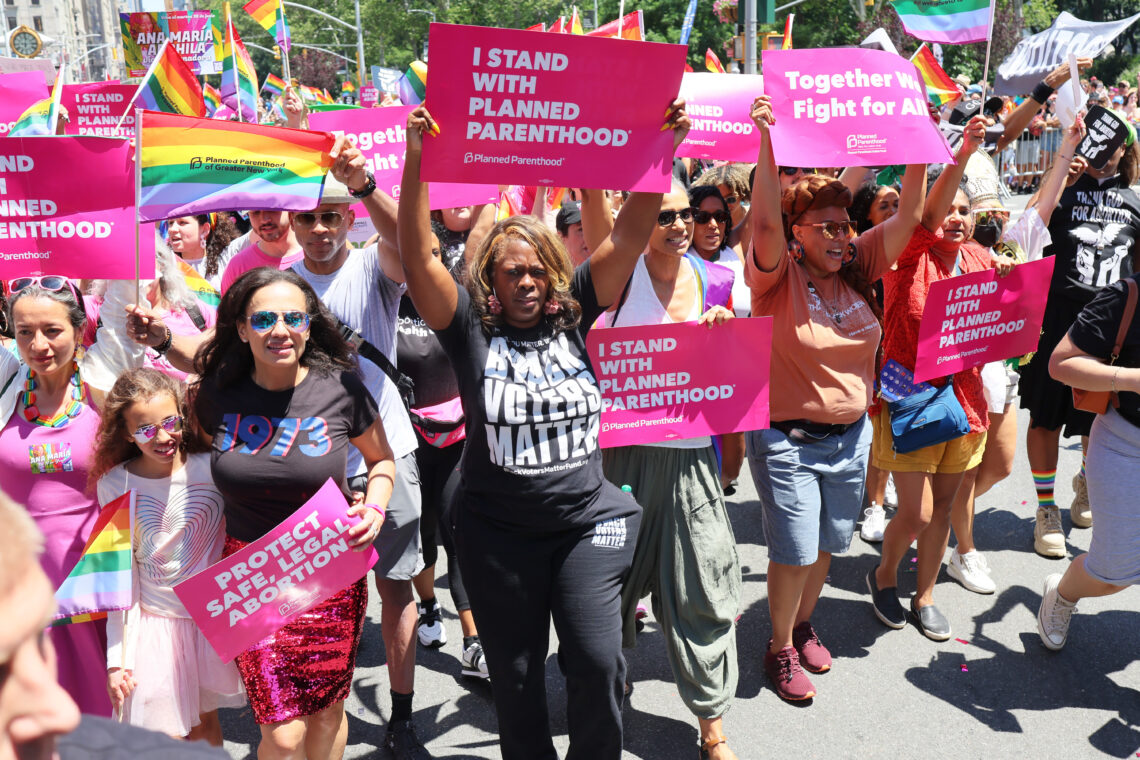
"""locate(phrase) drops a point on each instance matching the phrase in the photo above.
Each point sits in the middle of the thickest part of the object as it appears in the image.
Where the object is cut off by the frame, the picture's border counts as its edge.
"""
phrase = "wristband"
(378, 508)
(164, 346)
(368, 189)
(1042, 92)
(1114, 374)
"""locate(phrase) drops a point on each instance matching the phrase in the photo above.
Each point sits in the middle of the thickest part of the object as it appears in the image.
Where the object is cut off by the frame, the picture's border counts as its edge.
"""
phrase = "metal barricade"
(1022, 165)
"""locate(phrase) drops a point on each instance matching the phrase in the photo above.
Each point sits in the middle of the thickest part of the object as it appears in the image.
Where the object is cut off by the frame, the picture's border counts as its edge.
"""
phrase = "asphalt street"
(992, 690)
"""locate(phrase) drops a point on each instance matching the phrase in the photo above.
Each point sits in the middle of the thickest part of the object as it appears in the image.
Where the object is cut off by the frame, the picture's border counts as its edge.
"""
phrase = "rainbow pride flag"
(712, 63)
(310, 94)
(575, 23)
(412, 86)
(953, 22)
(787, 43)
(631, 26)
(325, 97)
(101, 579)
(195, 166)
(940, 88)
(274, 85)
(40, 117)
(271, 15)
(239, 80)
(202, 290)
(347, 87)
(212, 97)
(170, 85)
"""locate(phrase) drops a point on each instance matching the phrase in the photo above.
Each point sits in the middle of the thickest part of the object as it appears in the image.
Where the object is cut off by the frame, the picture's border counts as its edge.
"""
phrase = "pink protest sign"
(18, 91)
(369, 96)
(248, 595)
(719, 106)
(564, 110)
(849, 107)
(979, 317)
(658, 383)
(381, 136)
(50, 223)
(95, 108)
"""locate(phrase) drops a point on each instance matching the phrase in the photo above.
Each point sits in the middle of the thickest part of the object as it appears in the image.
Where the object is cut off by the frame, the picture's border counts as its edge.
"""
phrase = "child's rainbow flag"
(271, 15)
(279, 168)
(40, 117)
(274, 85)
(239, 80)
(101, 579)
(347, 87)
(712, 63)
(170, 85)
(202, 290)
(212, 97)
(412, 86)
(940, 88)
(954, 22)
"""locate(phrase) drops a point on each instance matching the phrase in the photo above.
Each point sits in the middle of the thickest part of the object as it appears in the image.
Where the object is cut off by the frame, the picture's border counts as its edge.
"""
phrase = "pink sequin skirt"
(306, 666)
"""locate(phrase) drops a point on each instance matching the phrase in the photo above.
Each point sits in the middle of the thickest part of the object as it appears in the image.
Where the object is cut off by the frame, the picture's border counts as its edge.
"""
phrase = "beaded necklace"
(32, 412)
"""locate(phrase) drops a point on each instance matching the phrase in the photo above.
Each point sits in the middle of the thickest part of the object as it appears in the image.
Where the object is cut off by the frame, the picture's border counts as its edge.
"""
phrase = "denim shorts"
(810, 493)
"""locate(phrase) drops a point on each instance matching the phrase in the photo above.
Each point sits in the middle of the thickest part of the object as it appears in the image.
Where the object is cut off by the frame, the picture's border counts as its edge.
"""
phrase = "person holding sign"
(541, 534)
(811, 273)
(279, 399)
(931, 478)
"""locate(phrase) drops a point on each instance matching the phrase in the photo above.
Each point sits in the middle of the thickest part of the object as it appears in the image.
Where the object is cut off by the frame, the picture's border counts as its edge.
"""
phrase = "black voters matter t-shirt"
(1095, 330)
(533, 412)
(273, 450)
(1095, 229)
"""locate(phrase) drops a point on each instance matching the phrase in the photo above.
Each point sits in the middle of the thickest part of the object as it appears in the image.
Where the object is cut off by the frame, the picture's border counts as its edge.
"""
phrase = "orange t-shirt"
(823, 353)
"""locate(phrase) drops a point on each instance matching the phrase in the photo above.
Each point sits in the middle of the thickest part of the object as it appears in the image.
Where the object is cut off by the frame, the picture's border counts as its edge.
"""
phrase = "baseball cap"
(335, 191)
(570, 213)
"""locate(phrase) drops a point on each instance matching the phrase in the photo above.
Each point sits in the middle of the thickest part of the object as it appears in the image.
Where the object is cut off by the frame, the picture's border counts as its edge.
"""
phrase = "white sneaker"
(1080, 512)
(874, 523)
(971, 570)
(1054, 614)
(430, 629)
(474, 664)
(1048, 536)
(890, 496)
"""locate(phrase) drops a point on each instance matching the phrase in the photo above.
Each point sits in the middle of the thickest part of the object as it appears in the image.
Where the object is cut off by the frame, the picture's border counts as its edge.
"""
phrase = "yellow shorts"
(958, 455)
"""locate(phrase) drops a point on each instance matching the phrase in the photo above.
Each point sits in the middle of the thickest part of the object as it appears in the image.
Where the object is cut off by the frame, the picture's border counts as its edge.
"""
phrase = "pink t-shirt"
(252, 257)
(180, 323)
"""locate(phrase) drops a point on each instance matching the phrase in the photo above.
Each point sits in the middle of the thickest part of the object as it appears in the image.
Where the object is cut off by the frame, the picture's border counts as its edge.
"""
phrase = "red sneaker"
(785, 673)
(813, 654)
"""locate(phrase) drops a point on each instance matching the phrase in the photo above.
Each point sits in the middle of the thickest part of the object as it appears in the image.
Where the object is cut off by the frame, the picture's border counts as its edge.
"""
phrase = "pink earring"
(551, 307)
(797, 249)
(494, 305)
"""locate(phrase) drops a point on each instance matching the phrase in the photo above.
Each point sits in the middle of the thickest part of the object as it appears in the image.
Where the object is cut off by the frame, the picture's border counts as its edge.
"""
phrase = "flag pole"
(621, 17)
(138, 194)
(986, 68)
(284, 51)
(233, 62)
(149, 71)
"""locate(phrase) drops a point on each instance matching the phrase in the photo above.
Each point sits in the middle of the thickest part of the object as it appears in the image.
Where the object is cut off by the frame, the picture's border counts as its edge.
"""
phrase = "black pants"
(439, 480)
(518, 582)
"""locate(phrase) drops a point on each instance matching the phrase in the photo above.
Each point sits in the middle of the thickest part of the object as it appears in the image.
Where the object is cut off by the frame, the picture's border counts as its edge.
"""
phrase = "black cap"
(570, 213)
(965, 111)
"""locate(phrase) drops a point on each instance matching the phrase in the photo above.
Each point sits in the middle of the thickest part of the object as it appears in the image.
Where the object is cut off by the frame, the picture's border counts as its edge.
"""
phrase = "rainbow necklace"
(32, 412)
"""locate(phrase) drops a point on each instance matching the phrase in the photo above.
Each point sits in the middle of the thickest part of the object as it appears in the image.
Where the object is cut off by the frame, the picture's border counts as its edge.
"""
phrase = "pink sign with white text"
(976, 318)
(849, 107)
(95, 108)
(667, 382)
(527, 108)
(18, 91)
(244, 597)
(50, 223)
(719, 105)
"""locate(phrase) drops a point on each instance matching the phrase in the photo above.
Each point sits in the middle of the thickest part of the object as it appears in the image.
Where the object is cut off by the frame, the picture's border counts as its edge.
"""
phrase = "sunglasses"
(986, 215)
(328, 218)
(666, 218)
(833, 230)
(720, 215)
(792, 171)
(264, 321)
(51, 282)
(732, 200)
(146, 433)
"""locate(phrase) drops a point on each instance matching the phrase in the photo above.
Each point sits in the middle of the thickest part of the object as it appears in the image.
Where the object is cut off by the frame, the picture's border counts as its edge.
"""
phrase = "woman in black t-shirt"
(280, 402)
(1081, 360)
(541, 533)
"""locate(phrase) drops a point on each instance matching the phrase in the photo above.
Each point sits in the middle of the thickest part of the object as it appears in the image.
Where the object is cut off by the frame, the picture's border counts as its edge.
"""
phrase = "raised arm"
(768, 243)
(597, 219)
(946, 186)
(349, 167)
(145, 327)
(612, 262)
(1054, 183)
(898, 229)
(484, 219)
(1024, 113)
(430, 285)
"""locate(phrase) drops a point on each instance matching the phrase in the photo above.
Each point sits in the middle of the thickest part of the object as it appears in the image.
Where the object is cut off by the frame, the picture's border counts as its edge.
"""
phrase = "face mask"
(989, 232)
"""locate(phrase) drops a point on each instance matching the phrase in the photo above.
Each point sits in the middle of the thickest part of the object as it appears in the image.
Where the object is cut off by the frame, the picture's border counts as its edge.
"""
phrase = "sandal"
(706, 747)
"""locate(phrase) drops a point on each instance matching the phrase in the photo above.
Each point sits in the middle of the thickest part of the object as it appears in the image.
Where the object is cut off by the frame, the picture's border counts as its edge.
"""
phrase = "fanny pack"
(440, 425)
(927, 418)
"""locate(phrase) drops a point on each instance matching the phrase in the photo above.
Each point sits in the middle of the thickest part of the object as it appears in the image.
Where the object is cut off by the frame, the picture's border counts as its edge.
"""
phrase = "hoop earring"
(796, 249)
(849, 257)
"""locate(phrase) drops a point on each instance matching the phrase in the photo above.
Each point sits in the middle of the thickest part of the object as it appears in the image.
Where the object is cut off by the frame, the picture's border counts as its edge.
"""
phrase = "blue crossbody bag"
(926, 416)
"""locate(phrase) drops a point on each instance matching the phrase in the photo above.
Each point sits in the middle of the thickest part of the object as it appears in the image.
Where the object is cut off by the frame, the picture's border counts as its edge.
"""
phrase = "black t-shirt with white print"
(1095, 230)
(1095, 332)
(533, 412)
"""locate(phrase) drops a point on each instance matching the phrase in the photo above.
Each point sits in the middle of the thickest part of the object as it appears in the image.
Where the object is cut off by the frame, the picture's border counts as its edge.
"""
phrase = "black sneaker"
(402, 742)
(931, 622)
(886, 603)
(429, 629)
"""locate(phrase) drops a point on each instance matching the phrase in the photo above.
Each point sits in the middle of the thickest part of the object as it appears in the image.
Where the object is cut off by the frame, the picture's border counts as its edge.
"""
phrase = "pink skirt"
(306, 666)
(179, 677)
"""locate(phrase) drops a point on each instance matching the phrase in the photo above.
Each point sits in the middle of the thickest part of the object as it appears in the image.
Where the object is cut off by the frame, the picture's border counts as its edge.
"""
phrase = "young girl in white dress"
(162, 674)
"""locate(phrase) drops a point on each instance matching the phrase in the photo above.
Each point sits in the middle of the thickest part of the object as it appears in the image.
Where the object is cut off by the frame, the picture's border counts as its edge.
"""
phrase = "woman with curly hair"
(813, 275)
(201, 242)
(541, 534)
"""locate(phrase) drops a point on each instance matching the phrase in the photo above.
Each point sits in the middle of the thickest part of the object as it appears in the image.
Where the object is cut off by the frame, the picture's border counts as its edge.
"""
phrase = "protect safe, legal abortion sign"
(669, 382)
(564, 110)
(248, 595)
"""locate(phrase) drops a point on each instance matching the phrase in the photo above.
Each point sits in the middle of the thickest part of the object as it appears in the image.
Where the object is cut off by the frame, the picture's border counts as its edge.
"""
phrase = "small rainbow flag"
(101, 579)
(631, 26)
(249, 166)
(787, 45)
(310, 94)
(212, 97)
(274, 85)
(576, 23)
(325, 97)
(239, 80)
(953, 22)
(170, 85)
(202, 290)
(413, 84)
(271, 15)
(347, 86)
(40, 117)
(277, 110)
(712, 63)
(940, 88)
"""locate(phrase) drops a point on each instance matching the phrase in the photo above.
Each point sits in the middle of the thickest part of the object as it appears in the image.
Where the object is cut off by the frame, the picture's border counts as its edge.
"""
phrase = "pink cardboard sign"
(719, 106)
(18, 91)
(369, 96)
(849, 107)
(527, 108)
(244, 597)
(95, 108)
(52, 224)
(979, 317)
(658, 383)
